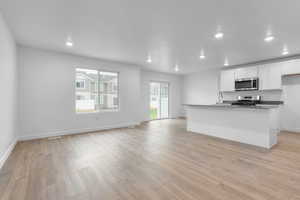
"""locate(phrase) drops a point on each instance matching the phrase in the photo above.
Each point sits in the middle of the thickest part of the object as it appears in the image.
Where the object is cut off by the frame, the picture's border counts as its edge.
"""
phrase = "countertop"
(227, 105)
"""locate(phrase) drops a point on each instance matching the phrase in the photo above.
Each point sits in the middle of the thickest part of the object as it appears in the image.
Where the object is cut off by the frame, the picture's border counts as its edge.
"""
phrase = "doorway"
(159, 100)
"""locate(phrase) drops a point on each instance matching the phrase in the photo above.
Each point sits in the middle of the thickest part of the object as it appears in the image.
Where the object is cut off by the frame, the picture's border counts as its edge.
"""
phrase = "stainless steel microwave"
(246, 84)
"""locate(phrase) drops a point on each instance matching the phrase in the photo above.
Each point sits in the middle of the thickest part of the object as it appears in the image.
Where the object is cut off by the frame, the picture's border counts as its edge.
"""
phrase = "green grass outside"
(153, 113)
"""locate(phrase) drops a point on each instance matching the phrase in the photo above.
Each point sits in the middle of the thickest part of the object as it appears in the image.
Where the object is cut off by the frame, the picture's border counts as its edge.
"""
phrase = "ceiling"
(171, 31)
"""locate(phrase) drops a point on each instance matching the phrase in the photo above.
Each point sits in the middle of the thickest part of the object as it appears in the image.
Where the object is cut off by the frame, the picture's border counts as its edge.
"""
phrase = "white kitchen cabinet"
(227, 80)
(270, 76)
(246, 72)
(291, 67)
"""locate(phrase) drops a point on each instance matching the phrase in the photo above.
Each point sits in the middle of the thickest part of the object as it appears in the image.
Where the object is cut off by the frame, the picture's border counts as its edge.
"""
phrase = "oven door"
(246, 84)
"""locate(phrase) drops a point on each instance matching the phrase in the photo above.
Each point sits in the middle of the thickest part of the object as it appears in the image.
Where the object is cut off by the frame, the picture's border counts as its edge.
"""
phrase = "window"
(96, 91)
(109, 90)
(80, 84)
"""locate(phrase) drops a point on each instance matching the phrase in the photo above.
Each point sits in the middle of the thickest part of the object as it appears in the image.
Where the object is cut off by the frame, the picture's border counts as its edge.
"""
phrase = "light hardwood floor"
(157, 160)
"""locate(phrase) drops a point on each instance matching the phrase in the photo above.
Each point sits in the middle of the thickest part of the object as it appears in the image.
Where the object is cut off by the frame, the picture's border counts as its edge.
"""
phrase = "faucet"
(220, 97)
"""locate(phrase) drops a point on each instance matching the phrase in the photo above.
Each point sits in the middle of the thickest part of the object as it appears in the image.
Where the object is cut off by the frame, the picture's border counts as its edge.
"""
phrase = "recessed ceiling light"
(69, 42)
(226, 62)
(285, 51)
(149, 60)
(202, 56)
(219, 35)
(269, 38)
(176, 68)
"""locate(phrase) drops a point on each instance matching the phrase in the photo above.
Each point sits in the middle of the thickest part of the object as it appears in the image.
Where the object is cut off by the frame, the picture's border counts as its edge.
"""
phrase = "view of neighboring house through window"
(80, 83)
(96, 91)
(109, 90)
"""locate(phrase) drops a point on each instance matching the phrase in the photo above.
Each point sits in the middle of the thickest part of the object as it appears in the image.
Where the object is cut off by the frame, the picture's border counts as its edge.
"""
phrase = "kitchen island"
(256, 125)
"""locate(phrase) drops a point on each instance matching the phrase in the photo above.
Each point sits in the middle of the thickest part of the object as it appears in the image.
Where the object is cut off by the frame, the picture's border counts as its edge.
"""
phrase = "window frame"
(99, 109)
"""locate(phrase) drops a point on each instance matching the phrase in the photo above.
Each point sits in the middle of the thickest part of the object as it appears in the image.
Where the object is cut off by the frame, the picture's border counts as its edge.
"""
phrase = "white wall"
(8, 88)
(175, 84)
(290, 112)
(47, 94)
(201, 87)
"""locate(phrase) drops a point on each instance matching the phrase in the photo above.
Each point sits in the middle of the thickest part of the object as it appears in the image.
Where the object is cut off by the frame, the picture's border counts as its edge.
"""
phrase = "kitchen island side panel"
(250, 126)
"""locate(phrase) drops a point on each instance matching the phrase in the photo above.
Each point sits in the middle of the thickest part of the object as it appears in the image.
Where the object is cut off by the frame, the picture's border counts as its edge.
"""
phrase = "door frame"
(149, 92)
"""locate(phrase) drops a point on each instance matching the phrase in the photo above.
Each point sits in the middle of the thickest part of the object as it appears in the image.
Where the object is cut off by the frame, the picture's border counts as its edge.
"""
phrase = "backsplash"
(268, 95)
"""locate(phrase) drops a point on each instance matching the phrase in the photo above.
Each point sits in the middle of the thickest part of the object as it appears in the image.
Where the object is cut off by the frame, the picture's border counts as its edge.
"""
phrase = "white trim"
(7, 153)
(75, 131)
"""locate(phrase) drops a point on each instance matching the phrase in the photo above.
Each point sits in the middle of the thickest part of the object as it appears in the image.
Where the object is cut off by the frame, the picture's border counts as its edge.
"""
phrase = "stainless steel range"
(247, 100)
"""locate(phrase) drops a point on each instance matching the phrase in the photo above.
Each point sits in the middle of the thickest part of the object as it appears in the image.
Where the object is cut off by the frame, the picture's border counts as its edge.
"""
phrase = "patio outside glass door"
(159, 100)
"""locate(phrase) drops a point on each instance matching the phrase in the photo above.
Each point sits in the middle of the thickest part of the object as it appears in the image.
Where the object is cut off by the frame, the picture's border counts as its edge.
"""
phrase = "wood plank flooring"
(157, 160)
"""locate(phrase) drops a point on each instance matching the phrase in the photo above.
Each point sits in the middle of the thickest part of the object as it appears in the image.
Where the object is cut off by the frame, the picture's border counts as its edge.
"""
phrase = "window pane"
(86, 90)
(164, 100)
(109, 99)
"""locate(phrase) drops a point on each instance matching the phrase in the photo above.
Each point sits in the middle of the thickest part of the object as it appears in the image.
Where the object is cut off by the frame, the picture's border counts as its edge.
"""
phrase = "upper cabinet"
(246, 72)
(290, 67)
(227, 80)
(270, 76)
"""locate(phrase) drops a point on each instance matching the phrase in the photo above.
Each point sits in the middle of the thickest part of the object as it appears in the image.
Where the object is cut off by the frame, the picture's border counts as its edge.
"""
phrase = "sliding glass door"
(159, 100)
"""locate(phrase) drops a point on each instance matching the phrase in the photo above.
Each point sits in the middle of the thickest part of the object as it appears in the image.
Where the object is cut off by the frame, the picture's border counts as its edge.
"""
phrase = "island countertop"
(229, 106)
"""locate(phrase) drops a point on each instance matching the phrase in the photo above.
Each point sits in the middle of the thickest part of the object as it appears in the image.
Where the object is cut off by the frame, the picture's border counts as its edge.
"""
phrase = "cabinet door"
(270, 76)
(227, 80)
(291, 67)
(246, 72)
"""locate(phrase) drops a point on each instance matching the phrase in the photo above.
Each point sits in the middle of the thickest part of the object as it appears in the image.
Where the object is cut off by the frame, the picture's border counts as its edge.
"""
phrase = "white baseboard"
(75, 131)
(6, 154)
